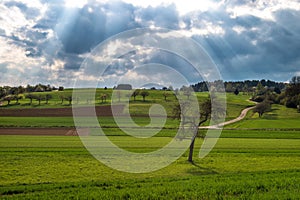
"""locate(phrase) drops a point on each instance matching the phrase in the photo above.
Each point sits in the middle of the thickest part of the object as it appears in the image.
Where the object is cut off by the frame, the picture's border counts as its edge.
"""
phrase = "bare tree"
(103, 97)
(69, 99)
(207, 112)
(40, 98)
(144, 93)
(8, 98)
(31, 97)
(165, 94)
(135, 93)
(62, 98)
(17, 98)
(48, 97)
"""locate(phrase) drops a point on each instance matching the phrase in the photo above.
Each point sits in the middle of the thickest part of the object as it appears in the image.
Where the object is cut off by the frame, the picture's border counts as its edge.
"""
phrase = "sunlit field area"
(255, 158)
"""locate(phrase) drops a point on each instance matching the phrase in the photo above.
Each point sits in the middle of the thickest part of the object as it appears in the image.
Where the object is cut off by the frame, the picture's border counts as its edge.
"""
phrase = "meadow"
(59, 167)
(256, 158)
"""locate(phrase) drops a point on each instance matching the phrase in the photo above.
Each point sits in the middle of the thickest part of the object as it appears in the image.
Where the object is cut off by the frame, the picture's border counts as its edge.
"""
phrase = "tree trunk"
(190, 159)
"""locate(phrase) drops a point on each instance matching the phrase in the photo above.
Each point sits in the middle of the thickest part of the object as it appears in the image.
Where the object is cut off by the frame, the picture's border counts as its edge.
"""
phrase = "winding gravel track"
(217, 126)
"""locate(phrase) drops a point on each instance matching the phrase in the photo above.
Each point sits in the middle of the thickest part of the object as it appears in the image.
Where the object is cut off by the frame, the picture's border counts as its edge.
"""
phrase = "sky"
(46, 41)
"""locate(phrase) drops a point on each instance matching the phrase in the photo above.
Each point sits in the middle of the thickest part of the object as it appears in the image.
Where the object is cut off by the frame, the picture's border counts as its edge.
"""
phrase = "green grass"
(256, 158)
(105, 122)
(266, 134)
(60, 167)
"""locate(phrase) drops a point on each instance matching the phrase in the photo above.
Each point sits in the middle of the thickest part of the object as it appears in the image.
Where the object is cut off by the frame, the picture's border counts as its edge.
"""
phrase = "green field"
(256, 158)
(49, 167)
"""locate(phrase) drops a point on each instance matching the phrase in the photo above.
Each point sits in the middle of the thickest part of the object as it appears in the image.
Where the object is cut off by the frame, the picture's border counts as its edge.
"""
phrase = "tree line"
(8, 90)
(247, 86)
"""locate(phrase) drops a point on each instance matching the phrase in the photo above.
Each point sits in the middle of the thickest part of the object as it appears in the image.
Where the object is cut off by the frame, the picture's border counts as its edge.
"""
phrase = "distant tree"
(135, 93)
(260, 90)
(48, 97)
(17, 98)
(21, 90)
(105, 88)
(39, 98)
(69, 99)
(3, 92)
(262, 108)
(30, 97)
(292, 94)
(165, 94)
(236, 91)
(292, 90)
(8, 98)
(61, 88)
(103, 97)
(62, 97)
(164, 88)
(144, 93)
(277, 90)
(295, 80)
(229, 87)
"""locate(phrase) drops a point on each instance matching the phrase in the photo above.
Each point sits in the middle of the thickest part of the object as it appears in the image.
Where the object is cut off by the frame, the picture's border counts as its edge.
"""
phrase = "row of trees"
(31, 97)
(8, 90)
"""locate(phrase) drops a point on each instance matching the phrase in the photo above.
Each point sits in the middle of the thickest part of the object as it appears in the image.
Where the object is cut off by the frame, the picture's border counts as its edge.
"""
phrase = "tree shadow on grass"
(271, 115)
(198, 170)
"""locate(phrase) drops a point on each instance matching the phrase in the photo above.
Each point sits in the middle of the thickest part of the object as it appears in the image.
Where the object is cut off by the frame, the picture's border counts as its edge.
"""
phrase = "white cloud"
(262, 9)
(183, 6)
(239, 29)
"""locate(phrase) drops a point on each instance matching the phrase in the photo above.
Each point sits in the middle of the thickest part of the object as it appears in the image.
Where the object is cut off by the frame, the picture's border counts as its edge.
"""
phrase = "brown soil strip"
(61, 112)
(38, 131)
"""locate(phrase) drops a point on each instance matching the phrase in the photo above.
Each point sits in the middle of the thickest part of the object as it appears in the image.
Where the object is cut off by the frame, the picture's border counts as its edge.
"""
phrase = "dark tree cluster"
(290, 96)
(248, 86)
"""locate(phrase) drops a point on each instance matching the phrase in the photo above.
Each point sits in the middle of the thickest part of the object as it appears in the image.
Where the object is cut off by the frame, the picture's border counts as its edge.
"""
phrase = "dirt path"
(217, 126)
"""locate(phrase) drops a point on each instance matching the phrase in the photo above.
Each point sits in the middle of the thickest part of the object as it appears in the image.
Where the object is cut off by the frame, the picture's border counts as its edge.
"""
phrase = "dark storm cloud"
(72, 61)
(92, 24)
